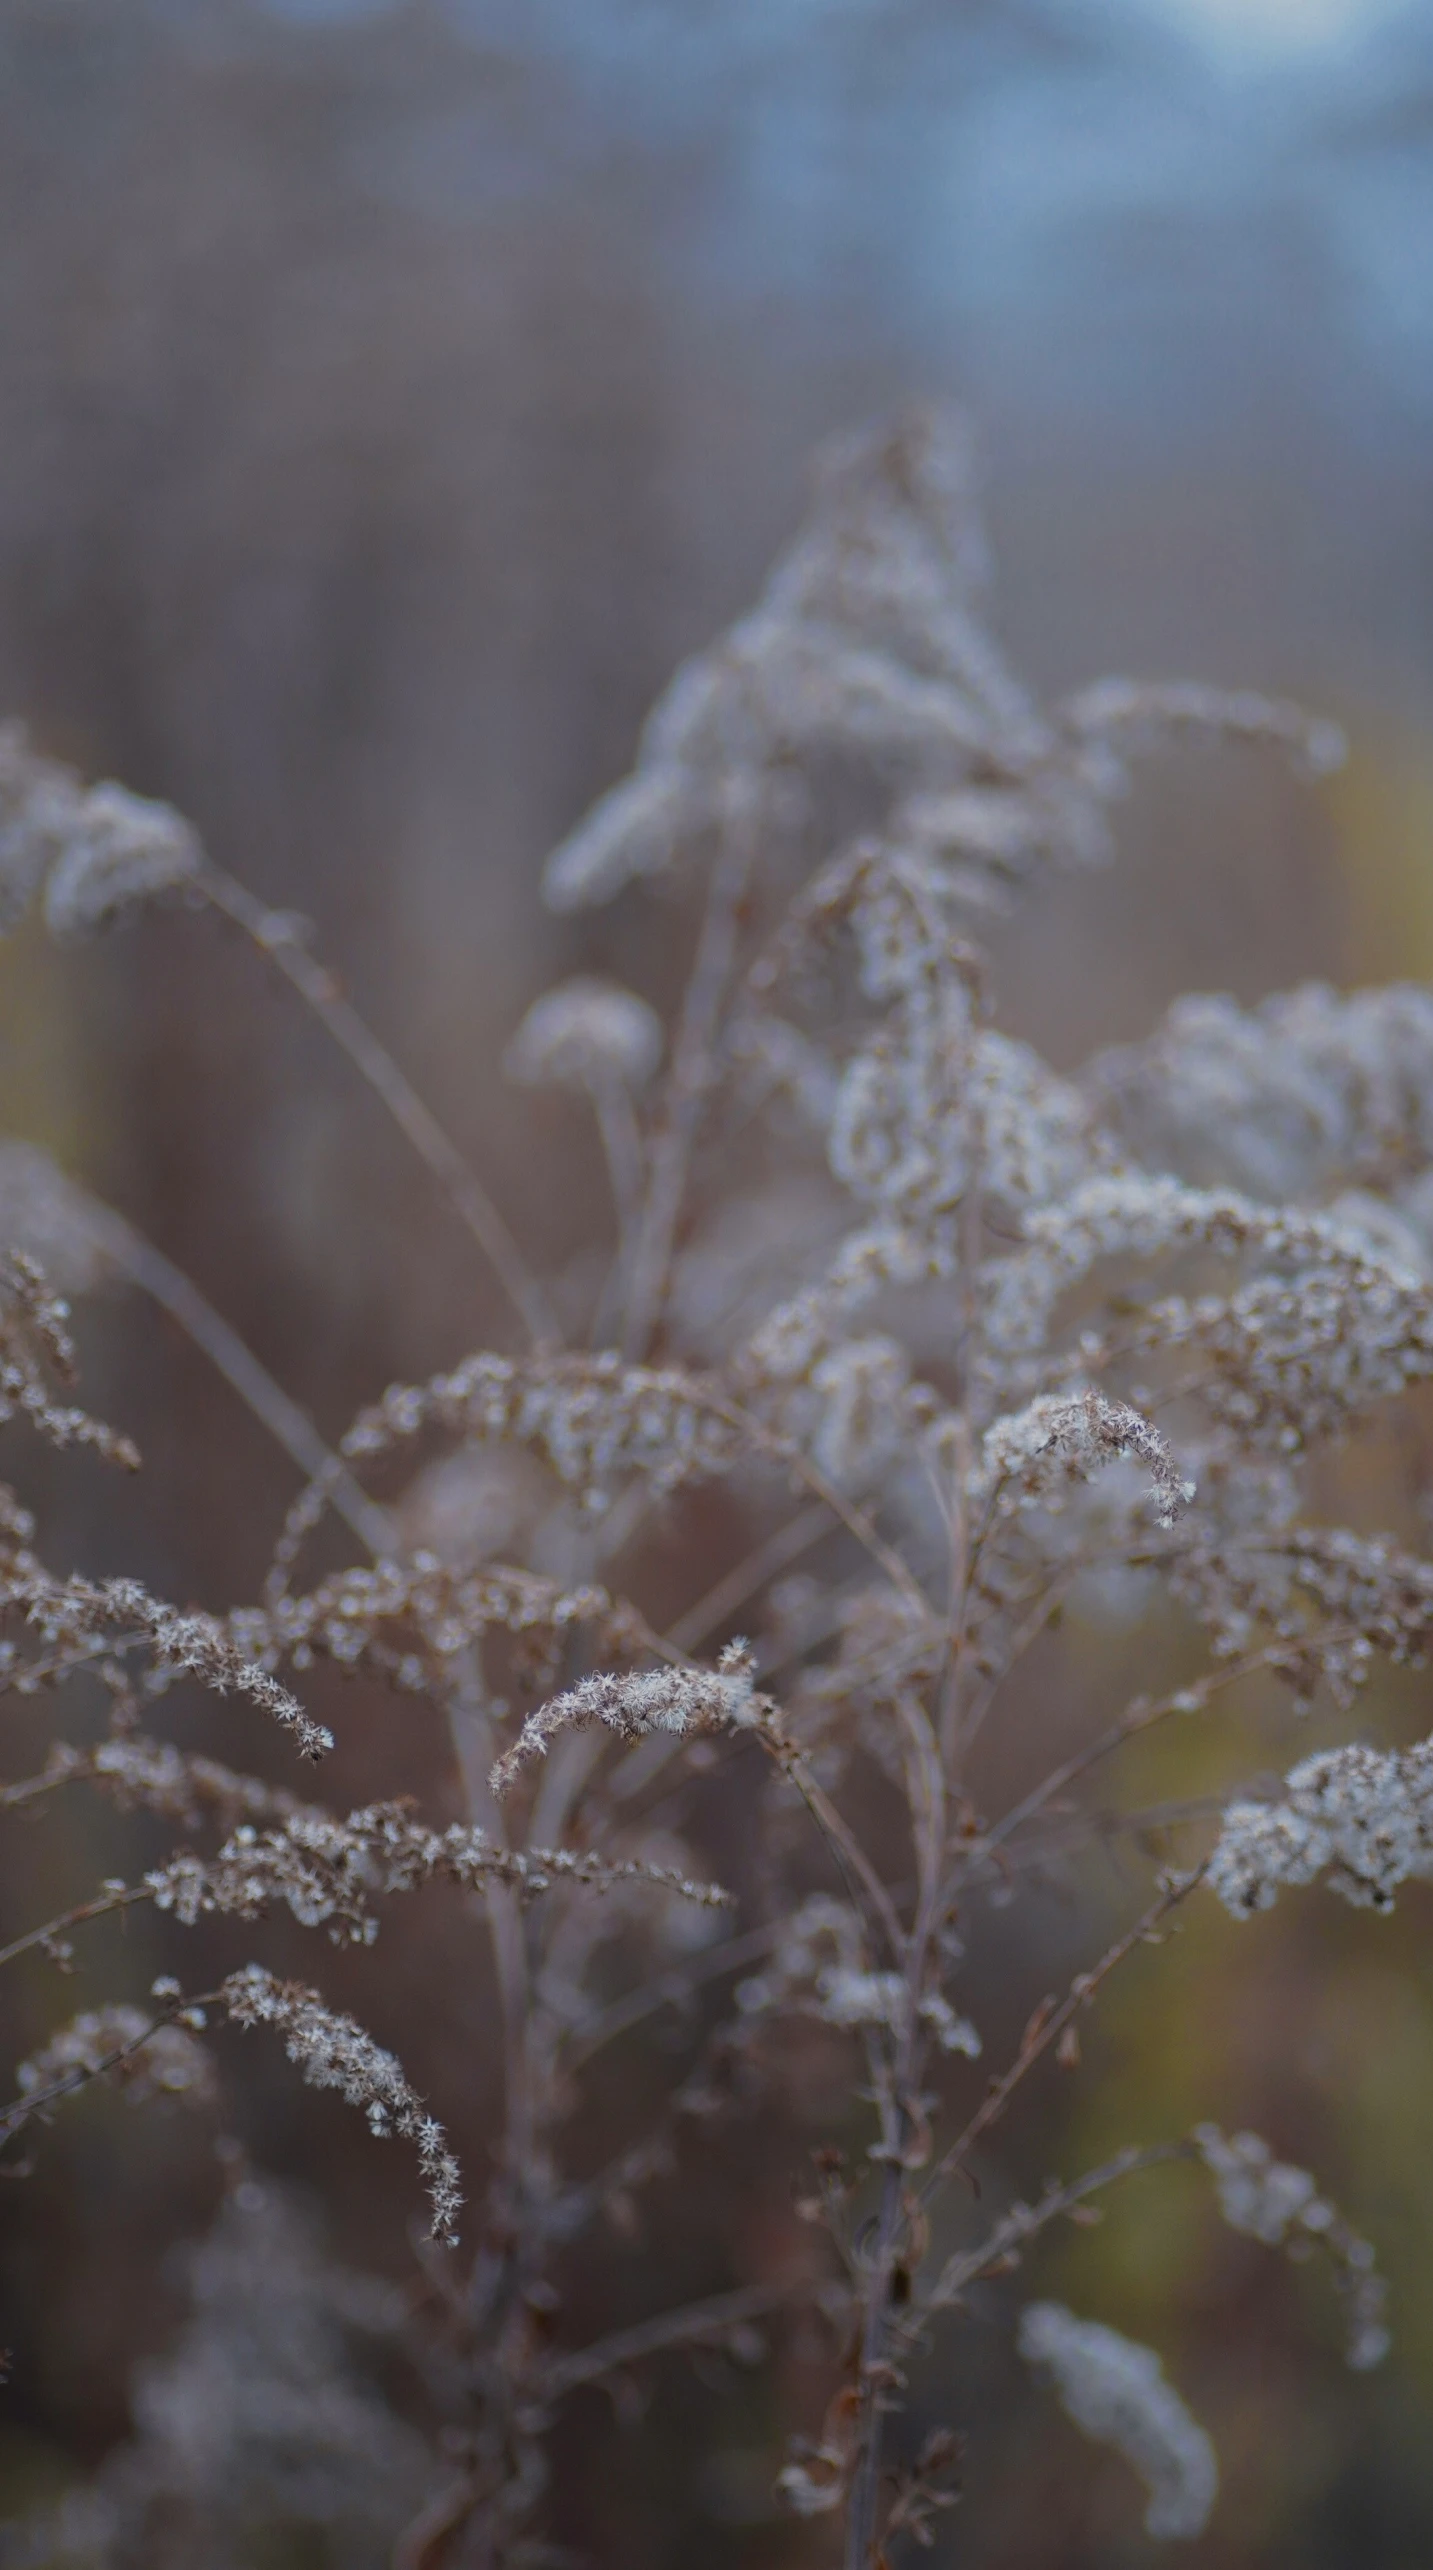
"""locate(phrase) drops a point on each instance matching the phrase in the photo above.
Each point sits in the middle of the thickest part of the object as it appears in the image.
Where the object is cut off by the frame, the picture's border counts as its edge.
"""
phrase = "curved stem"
(98, 1908)
(688, 1088)
(696, 2324)
(1049, 2023)
(24, 2110)
(1141, 1716)
(750, 1574)
(276, 936)
(852, 1861)
(289, 1426)
(1024, 2221)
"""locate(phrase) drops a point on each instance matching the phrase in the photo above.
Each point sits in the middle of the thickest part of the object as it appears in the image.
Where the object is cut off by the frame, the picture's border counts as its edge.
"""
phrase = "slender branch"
(864, 2500)
(469, 1731)
(1084, 1829)
(699, 2324)
(425, 2540)
(277, 936)
(688, 1088)
(24, 2110)
(900, 2111)
(673, 1987)
(1024, 2221)
(625, 1155)
(1047, 2025)
(801, 1469)
(1140, 1716)
(289, 1426)
(957, 1612)
(121, 1897)
(750, 1574)
(1048, 1604)
(861, 1876)
(26, 1678)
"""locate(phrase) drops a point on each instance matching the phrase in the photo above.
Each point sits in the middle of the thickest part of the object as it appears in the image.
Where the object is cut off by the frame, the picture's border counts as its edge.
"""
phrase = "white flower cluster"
(1145, 1217)
(1336, 1598)
(329, 1871)
(1308, 1093)
(97, 849)
(408, 1621)
(1363, 1817)
(1301, 1361)
(596, 1422)
(862, 646)
(35, 1343)
(865, 647)
(263, 2407)
(920, 1118)
(801, 1333)
(153, 1775)
(155, 2060)
(817, 1970)
(1257, 2193)
(634, 1703)
(1063, 1438)
(71, 1615)
(1288, 1358)
(1116, 2393)
(932, 1103)
(332, 2052)
(1280, 2205)
(1123, 712)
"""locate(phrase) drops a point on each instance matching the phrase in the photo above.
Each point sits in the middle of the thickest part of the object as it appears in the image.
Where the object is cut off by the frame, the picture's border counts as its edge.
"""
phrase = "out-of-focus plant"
(957, 1340)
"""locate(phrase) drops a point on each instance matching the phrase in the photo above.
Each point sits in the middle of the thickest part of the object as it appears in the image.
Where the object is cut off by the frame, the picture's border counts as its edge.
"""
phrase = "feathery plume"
(1116, 2393)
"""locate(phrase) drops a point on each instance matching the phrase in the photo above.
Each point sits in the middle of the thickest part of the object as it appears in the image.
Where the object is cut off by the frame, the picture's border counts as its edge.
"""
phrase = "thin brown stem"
(672, 1989)
(900, 2110)
(693, 1069)
(864, 2501)
(625, 1154)
(1141, 1716)
(1048, 2024)
(1047, 1605)
(1024, 2222)
(287, 1424)
(699, 2324)
(748, 1576)
(23, 2110)
(278, 936)
(854, 1519)
(122, 1898)
(855, 1865)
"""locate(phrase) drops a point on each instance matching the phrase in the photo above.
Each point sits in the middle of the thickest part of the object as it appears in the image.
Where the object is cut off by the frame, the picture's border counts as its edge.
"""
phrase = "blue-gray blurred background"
(390, 393)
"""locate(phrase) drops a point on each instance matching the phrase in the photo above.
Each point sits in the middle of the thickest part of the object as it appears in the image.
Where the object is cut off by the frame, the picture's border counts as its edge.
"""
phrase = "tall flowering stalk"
(958, 1337)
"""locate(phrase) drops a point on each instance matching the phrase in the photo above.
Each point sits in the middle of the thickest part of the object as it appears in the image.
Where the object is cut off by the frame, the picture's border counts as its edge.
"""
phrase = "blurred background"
(389, 395)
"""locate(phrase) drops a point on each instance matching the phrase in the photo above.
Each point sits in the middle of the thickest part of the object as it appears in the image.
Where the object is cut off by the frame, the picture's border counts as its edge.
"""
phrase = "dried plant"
(1016, 1337)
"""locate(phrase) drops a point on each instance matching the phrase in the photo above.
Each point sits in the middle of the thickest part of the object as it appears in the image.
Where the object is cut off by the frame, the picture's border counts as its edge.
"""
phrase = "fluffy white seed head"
(155, 2061)
(1362, 1817)
(332, 2052)
(635, 1703)
(1116, 2393)
(586, 1034)
(1067, 1438)
(122, 850)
